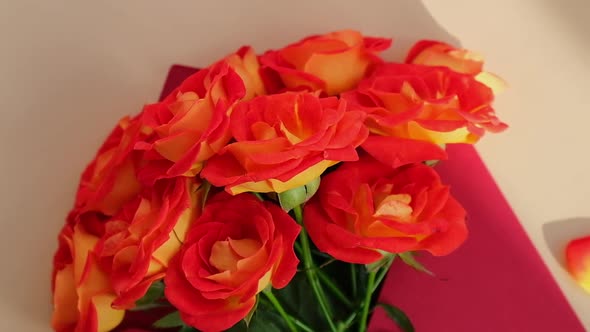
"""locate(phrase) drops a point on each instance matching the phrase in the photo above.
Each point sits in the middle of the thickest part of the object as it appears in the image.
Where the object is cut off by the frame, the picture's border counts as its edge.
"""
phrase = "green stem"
(344, 325)
(367, 302)
(298, 214)
(302, 326)
(382, 273)
(353, 277)
(296, 321)
(311, 272)
(275, 302)
(334, 288)
(298, 247)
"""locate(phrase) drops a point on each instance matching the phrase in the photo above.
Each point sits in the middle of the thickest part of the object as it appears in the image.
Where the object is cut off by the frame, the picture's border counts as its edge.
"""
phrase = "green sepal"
(249, 316)
(408, 258)
(297, 196)
(384, 261)
(206, 186)
(433, 163)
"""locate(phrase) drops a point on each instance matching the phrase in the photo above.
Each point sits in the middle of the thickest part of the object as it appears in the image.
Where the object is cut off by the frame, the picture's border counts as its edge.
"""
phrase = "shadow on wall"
(559, 233)
(574, 15)
(81, 89)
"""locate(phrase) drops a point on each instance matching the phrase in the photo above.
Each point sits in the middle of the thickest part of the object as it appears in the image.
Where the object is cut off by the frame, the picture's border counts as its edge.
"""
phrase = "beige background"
(70, 69)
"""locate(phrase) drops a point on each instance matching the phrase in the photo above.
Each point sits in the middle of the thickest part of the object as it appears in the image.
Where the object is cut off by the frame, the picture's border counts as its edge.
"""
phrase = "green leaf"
(297, 196)
(241, 326)
(409, 259)
(153, 294)
(170, 320)
(267, 321)
(300, 303)
(264, 319)
(152, 298)
(187, 328)
(398, 316)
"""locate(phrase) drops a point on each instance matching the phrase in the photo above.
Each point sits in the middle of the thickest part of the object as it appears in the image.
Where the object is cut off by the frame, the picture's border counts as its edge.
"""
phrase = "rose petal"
(395, 152)
(578, 261)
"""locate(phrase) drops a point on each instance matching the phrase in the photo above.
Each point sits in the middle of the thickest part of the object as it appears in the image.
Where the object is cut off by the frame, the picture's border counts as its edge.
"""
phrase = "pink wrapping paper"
(495, 282)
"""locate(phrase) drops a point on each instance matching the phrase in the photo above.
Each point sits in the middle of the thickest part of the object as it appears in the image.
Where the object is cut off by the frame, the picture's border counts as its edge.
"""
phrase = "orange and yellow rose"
(237, 248)
(333, 63)
(82, 291)
(192, 123)
(431, 104)
(139, 242)
(284, 141)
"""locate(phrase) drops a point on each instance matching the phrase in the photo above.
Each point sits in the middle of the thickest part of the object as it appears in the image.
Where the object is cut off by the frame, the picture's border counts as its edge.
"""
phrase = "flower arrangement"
(272, 192)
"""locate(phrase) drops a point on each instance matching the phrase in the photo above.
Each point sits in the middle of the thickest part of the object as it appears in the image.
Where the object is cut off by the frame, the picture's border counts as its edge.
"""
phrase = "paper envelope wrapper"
(495, 282)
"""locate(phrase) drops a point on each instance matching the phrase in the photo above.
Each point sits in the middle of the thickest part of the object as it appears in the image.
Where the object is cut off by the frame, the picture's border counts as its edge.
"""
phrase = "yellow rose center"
(235, 260)
(396, 206)
(225, 255)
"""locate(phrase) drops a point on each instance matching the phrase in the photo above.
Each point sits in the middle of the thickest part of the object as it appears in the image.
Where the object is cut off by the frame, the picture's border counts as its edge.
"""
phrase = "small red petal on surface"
(577, 255)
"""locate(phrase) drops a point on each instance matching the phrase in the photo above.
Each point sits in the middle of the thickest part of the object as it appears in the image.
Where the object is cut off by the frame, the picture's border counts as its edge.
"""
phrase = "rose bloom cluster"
(169, 195)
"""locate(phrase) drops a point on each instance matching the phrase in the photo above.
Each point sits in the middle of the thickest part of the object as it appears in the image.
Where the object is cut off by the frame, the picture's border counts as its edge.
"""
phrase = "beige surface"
(70, 69)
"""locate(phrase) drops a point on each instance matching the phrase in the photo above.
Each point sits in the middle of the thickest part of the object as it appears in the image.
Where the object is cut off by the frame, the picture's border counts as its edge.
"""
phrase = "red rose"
(285, 141)
(192, 124)
(333, 63)
(235, 249)
(366, 207)
(140, 241)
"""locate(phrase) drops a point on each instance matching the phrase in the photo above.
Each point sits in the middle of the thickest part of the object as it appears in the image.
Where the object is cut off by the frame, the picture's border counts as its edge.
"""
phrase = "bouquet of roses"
(272, 192)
